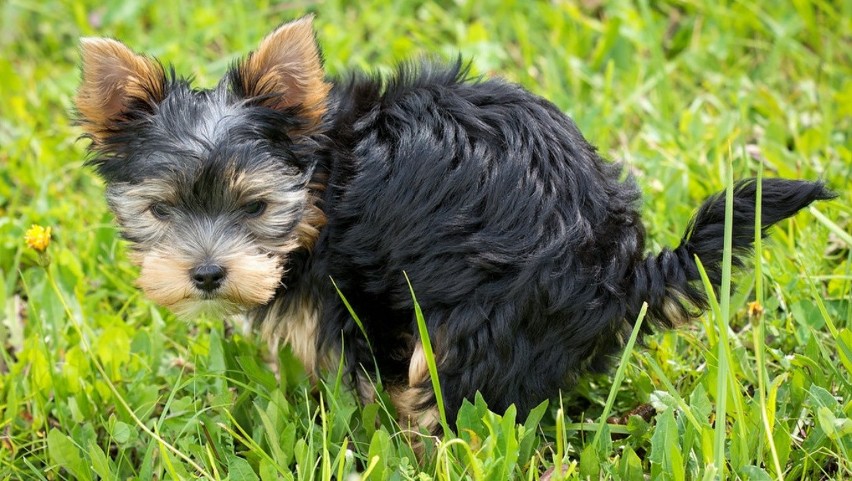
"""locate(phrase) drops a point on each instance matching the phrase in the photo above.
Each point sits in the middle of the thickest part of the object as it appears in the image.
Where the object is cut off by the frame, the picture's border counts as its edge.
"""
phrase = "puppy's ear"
(286, 72)
(114, 80)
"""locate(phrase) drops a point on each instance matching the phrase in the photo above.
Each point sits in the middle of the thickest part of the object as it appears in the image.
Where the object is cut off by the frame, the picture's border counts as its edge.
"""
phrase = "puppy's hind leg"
(476, 350)
(415, 401)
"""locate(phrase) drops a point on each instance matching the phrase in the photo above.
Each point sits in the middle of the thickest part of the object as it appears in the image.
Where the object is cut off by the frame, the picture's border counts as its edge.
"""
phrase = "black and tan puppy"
(525, 248)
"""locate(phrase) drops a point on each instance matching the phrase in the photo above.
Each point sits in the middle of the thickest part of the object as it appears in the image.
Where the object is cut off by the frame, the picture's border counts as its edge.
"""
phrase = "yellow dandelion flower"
(38, 237)
(755, 311)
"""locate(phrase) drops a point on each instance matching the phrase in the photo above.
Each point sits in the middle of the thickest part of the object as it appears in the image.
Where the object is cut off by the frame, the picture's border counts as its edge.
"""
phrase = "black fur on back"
(525, 249)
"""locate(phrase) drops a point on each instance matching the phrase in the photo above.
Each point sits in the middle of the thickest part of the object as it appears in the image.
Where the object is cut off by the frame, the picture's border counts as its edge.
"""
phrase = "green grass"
(98, 383)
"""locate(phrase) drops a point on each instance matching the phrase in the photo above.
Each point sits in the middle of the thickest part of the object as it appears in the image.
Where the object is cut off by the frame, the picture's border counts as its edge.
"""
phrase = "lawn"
(96, 382)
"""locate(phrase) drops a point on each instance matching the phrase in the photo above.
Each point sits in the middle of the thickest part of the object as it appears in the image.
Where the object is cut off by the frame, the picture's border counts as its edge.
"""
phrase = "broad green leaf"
(66, 454)
(379, 453)
(240, 470)
(100, 463)
(630, 466)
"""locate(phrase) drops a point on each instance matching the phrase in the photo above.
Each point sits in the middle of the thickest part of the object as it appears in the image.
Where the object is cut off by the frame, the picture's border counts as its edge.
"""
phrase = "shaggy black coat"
(525, 249)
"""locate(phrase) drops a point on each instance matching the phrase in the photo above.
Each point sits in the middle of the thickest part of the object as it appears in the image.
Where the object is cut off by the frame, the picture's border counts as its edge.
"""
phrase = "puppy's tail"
(668, 281)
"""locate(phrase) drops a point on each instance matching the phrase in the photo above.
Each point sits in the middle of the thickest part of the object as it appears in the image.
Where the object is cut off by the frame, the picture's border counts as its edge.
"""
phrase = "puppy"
(525, 249)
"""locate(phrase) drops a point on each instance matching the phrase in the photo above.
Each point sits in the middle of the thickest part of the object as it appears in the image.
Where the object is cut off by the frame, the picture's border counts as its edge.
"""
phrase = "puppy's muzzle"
(208, 277)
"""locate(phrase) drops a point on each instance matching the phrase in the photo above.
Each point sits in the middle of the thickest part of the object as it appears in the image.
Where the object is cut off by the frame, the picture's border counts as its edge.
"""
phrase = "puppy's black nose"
(207, 277)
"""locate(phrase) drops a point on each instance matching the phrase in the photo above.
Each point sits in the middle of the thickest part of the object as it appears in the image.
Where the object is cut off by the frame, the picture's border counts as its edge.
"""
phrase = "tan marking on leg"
(296, 325)
(411, 417)
(407, 400)
(418, 369)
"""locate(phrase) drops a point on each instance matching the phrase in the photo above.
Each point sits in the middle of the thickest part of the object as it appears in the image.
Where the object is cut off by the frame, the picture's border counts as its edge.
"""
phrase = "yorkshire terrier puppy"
(525, 249)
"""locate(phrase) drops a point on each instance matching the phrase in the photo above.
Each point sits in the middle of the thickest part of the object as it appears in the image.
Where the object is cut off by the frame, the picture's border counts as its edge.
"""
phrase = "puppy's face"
(211, 187)
(215, 234)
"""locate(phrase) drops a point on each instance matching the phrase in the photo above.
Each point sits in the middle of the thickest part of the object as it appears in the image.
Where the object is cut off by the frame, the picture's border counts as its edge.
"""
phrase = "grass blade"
(430, 357)
(619, 374)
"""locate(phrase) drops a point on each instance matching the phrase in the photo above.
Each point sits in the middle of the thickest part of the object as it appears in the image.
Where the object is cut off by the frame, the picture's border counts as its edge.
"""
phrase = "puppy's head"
(211, 187)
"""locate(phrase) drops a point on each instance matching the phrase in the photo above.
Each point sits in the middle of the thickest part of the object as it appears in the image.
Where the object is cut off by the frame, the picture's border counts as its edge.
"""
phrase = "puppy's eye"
(160, 210)
(254, 209)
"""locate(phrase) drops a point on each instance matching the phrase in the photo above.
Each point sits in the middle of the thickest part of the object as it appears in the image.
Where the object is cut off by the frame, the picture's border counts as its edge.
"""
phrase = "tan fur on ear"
(287, 69)
(113, 75)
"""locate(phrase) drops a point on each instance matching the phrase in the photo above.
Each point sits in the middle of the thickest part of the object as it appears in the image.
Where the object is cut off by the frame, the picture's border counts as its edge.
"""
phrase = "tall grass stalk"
(430, 357)
(619, 375)
(759, 333)
(722, 355)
